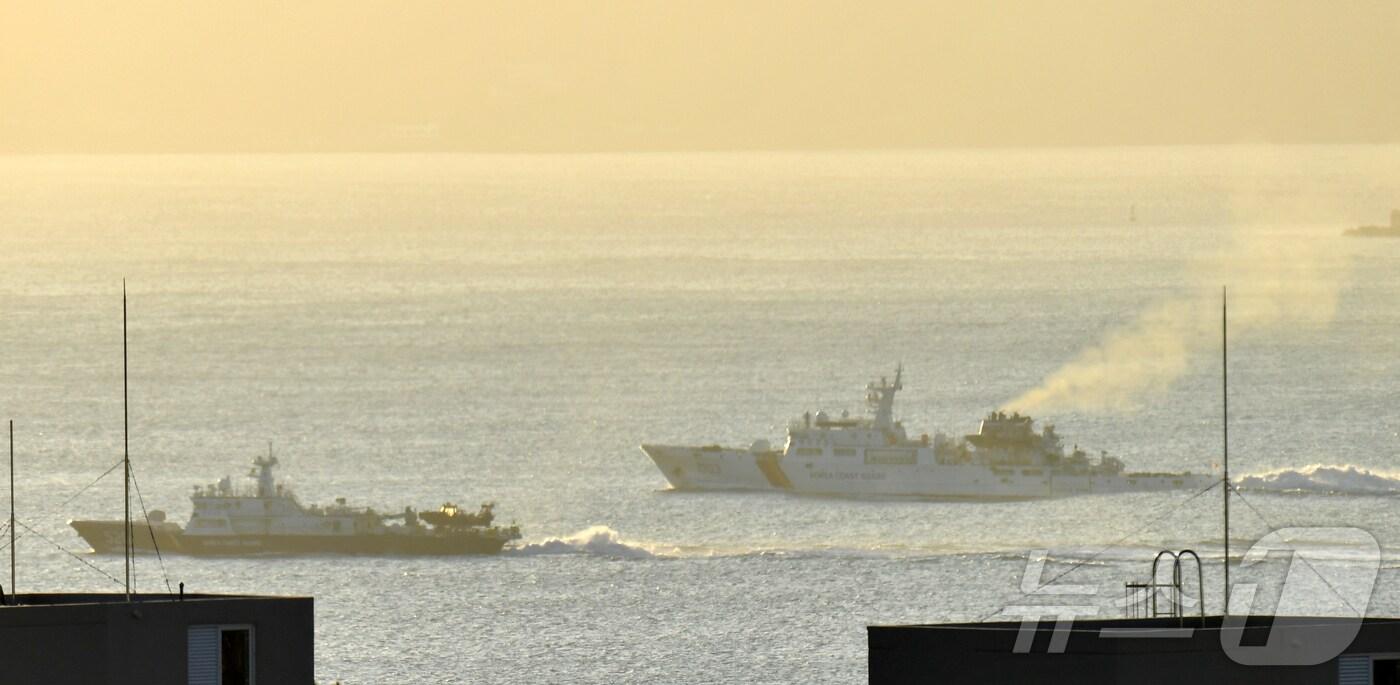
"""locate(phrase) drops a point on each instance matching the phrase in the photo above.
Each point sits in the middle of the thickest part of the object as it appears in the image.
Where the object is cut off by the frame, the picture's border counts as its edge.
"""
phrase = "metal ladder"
(1140, 599)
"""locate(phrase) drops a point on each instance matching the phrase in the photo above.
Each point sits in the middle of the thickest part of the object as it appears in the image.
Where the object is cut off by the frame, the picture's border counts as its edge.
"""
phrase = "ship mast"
(881, 397)
(1225, 435)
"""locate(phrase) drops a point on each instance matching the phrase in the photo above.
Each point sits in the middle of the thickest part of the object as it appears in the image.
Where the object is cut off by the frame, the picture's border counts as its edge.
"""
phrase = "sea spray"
(1323, 478)
(600, 541)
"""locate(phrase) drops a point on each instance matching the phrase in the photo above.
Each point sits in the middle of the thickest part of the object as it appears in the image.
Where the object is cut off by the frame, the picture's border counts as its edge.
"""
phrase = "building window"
(236, 656)
(1385, 670)
(220, 655)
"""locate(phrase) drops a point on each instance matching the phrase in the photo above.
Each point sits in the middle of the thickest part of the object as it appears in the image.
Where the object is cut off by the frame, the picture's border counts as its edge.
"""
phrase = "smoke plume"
(1280, 279)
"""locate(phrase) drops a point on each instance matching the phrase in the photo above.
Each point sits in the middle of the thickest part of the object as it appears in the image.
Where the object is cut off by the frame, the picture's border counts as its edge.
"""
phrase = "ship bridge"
(878, 429)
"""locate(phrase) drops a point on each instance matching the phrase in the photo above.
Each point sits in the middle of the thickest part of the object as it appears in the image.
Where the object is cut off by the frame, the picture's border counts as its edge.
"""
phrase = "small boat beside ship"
(874, 457)
(268, 519)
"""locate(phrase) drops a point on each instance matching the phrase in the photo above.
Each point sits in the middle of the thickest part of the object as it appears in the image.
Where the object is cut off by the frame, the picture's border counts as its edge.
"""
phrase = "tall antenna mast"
(126, 457)
(1225, 433)
(12, 511)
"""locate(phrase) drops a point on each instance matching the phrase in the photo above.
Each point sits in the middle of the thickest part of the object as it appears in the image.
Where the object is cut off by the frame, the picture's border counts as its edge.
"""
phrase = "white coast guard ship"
(873, 456)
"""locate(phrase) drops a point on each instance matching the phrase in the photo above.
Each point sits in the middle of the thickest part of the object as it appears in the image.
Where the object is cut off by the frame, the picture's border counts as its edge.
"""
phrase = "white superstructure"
(224, 511)
(874, 456)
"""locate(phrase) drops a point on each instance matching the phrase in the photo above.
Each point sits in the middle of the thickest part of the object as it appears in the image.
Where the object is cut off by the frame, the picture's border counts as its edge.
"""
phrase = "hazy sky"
(669, 75)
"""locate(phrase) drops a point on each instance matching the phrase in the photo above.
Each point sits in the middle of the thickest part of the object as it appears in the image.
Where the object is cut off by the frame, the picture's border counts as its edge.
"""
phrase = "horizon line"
(692, 151)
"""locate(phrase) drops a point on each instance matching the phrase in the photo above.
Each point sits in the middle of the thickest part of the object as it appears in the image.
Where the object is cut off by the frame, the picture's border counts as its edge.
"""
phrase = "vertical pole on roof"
(1225, 434)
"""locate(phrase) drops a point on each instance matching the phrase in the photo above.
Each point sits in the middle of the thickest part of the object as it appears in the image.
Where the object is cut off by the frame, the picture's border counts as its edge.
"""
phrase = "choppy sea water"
(410, 330)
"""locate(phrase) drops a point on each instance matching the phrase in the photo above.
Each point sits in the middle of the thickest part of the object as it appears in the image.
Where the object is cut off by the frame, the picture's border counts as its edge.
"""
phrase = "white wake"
(1323, 478)
(600, 541)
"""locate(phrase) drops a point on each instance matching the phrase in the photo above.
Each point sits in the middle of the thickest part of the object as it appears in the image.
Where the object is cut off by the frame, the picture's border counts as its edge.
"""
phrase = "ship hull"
(705, 469)
(711, 468)
(972, 481)
(371, 545)
(105, 537)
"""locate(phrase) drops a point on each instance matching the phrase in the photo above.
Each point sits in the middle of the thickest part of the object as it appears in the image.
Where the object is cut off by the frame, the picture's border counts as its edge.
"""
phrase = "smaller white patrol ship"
(874, 457)
(269, 519)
